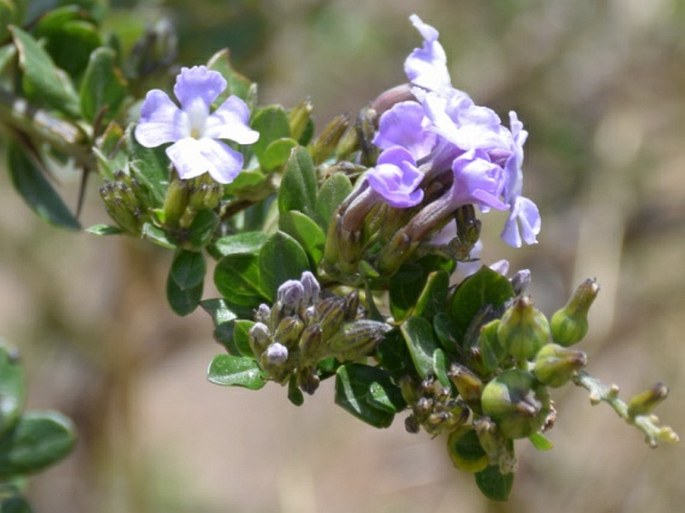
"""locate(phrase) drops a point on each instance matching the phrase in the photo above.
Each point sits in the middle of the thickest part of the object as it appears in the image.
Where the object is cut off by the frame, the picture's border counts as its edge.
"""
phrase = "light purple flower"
(195, 132)
(426, 67)
(478, 181)
(406, 125)
(396, 178)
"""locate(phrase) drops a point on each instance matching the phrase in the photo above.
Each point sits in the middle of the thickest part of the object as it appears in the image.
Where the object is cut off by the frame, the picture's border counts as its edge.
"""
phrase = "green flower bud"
(357, 339)
(299, 117)
(466, 451)
(644, 402)
(555, 365)
(569, 325)
(324, 145)
(331, 314)
(523, 330)
(259, 338)
(288, 331)
(517, 403)
(469, 385)
(311, 347)
(175, 201)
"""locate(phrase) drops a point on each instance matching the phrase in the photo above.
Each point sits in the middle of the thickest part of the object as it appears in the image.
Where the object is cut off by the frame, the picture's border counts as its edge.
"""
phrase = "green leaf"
(12, 502)
(367, 393)
(294, 393)
(305, 231)
(394, 354)
(12, 390)
(222, 316)
(104, 87)
(183, 301)
(332, 193)
(541, 442)
(419, 337)
(241, 243)
(440, 367)
(241, 331)
(433, 296)
(277, 153)
(229, 370)
(237, 277)
(238, 84)
(201, 230)
(31, 184)
(157, 235)
(485, 288)
(188, 269)
(104, 229)
(298, 187)
(8, 53)
(38, 440)
(405, 289)
(280, 259)
(150, 166)
(247, 183)
(41, 78)
(494, 485)
(272, 123)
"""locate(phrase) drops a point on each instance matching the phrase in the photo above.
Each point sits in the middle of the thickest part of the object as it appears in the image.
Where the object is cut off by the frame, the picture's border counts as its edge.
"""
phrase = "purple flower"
(406, 125)
(478, 181)
(426, 67)
(195, 132)
(396, 178)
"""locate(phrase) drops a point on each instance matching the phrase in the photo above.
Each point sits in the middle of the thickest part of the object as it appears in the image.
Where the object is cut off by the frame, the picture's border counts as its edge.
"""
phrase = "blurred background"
(600, 85)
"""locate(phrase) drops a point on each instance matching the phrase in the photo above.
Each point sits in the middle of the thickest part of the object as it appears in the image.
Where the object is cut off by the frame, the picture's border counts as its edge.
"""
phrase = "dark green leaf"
(405, 289)
(276, 153)
(444, 330)
(494, 485)
(298, 187)
(419, 337)
(486, 288)
(237, 277)
(157, 235)
(38, 440)
(229, 370)
(280, 259)
(223, 316)
(440, 367)
(183, 300)
(12, 391)
(32, 185)
(294, 393)
(272, 123)
(305, 231)
(241, 330)
(103, 87)
(150, 166)
(104, 229)
(247, 183)
(367, 393)
(332, 193)
(42, 79)
(433, 297)
(394, 355)
(12, 502)
(201, 230)
(241, 243)
(188, 269)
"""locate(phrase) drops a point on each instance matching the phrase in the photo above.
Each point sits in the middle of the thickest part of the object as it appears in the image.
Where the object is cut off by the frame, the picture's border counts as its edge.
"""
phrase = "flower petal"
(405, 125)
(193, 157)
(396, 178)
(198, 82)
(231, 121)
(161, 121)
(427, 66)
(523, 224)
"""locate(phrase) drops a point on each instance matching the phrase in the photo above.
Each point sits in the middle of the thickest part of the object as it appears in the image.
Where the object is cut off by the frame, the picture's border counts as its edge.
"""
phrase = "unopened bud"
(311, 343)
(308, 380)
(555, 365)
(311, 288)
(412, 425)
(288, 331)
(517, 403)
(299, 117)
(331, 314)
(357, 339)
(276, 354)
(351, 305)
(175, 201)
(263, 313)
(259, 338)
(644, 402)
(324, 145)
(387, 99)
(520, 281)
(523, 329)
(569, 325)
(469, 386)
(408, 388)
(290, 295)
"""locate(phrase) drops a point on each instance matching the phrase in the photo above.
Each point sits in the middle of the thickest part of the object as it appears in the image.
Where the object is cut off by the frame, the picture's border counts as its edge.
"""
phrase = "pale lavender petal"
(198, 82)
(427, 66)
(231, 121)
(477, 180)
(396, 178)
(405, 125)
(161, 121)
(193, 157)
(523, 224)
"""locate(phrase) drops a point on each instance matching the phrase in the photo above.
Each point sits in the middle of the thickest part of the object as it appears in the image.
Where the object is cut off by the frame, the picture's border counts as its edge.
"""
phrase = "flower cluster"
(440, 128)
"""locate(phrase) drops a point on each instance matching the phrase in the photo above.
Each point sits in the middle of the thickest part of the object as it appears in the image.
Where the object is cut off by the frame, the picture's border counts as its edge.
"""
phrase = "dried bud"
(523, 329)
(555, 365)
(517, 403)
(644, 402)
(569, 325)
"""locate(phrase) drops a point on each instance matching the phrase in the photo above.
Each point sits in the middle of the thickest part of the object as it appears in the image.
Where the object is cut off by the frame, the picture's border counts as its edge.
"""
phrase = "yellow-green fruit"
(569, 325)
(465, 450)
(555, 365)
(517, 402)
(523, 329)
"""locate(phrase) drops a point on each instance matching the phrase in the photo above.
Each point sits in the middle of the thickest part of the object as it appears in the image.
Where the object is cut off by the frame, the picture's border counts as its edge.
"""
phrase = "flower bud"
(644, 402)
(290, 295)
(263, 313)
(520, 281)
(331, 314)
(311, 288)
(357, 339)
(517, 403)
(469, 386)
(288, 331)
(175, 201)
(276, 354)
(555, 365)
(308, 380)
(311, 347)
(259, 338)
(324, 145)
(569, 325)
(523, 329)
(299, 117)
(466, 451)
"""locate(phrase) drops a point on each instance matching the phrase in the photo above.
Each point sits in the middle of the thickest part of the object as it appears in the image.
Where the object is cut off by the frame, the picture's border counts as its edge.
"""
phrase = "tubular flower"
(197, 133)
(396, 178)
